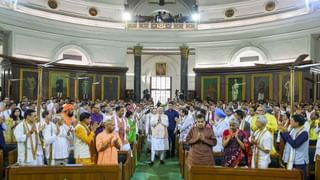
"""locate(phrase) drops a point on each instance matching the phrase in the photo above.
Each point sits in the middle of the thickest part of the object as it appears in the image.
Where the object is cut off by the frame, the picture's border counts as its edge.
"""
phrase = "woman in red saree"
(236, 145)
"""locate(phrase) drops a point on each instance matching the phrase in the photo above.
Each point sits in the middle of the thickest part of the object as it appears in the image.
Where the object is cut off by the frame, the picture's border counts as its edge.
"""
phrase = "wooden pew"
(317, 168)
(225, 173)
(12, 157)
(210, 172)
(311, 165)
(134, 158)
(1, 164)
(63, 172)
(181, 158)
(127, 168)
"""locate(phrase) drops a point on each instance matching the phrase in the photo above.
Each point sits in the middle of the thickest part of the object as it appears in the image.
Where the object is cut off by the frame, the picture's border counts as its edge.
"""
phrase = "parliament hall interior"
(159, 89)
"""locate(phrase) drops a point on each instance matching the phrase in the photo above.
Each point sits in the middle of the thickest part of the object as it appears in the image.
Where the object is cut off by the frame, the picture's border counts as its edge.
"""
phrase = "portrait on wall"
(235, 88)
(261, 87)
(110, 87)
(210, 88)
(284, 80)
(28, 83)
(161, 69)
(59, 84)
(85, 85)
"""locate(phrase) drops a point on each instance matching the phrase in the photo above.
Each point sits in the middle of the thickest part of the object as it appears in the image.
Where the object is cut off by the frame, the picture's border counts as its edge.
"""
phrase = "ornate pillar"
(184, 51)
(137, 50)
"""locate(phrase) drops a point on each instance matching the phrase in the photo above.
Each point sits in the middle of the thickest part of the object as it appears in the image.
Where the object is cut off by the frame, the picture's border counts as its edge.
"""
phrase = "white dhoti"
(159, 144)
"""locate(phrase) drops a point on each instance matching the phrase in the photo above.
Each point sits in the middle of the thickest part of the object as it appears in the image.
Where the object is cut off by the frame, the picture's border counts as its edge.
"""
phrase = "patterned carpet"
(169, 171)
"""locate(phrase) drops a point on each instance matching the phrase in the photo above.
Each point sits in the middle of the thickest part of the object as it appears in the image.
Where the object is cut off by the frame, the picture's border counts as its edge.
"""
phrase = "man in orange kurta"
(108, 143)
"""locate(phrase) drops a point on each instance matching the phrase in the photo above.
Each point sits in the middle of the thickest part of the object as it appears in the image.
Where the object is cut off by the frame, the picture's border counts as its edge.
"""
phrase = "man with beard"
(68, 115)
(121, 127)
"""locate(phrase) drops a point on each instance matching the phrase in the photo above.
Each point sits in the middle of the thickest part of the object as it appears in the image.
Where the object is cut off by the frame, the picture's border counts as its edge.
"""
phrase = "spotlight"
(195, 17)
(126, 16)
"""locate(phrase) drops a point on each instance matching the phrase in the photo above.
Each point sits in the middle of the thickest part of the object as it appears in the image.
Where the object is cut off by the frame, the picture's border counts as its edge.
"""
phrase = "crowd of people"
(85, 132)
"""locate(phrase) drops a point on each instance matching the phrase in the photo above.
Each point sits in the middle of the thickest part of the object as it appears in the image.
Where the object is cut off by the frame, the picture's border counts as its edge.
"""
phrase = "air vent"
(249, 59)
(53, 4)
(270, 6)
(93, 11)
(72, 57)
(229, 13)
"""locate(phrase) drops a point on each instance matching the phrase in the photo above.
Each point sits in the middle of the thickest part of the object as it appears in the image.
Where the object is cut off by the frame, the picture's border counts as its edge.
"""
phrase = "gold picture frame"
(64, 76)
(240, 95)
(91, 87)
(28, 86)
(267, 83)
(209, 86)
(161, 69)
(112, 79)
(285, 76)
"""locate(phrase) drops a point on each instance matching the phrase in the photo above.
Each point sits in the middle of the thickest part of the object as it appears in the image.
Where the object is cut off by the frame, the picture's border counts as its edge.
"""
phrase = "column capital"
(184, 50)
(137, 50)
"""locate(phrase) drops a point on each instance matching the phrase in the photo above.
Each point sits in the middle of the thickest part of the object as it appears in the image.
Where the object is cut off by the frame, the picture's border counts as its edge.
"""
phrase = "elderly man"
(272, 124)
(219, 126)
(262, 141)
(159, 142)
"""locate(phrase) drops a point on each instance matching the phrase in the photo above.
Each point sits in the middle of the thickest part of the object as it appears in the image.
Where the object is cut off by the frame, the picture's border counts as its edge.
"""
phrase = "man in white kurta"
(159, 142)
(219, 126)
(185, 126)
(29, 145)
(262, 141)
(49, 132)
(56, 139)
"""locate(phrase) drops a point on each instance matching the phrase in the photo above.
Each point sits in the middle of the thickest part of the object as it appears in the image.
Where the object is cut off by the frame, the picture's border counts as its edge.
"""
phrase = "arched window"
(73, 55)
(248, 56)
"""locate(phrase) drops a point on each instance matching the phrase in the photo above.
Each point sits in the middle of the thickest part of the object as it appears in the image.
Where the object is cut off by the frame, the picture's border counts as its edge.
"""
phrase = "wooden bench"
(210, 172)
(1, 164)
(127, 167)
(63, 172)
(181, 158)
(12, 157)
(218, 167)
(317, 168)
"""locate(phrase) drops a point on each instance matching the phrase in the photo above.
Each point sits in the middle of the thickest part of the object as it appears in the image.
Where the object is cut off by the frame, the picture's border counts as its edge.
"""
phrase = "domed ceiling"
(213, 13)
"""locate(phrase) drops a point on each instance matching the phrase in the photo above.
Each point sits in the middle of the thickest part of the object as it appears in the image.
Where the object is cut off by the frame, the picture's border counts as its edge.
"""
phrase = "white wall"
(46, 46)
(277, 49)
(148, 64)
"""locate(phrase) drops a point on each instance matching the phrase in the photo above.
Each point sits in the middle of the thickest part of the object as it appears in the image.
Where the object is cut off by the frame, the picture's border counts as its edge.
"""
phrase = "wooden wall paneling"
(248, 85)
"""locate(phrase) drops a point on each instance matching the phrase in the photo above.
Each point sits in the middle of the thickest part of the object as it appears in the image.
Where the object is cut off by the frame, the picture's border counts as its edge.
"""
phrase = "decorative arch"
(248, 51)
(73, 50)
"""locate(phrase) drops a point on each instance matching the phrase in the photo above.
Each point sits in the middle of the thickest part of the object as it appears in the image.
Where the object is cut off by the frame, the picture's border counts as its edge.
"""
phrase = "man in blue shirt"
(173, 115)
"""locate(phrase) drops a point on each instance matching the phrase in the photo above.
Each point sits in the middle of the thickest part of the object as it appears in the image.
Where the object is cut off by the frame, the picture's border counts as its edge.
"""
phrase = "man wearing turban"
(219, 125)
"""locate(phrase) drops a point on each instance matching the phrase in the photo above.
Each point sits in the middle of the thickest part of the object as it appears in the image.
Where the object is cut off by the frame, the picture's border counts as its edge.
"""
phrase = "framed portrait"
(28, 83)
(210, 88)
(59, 84)
(110, 87)
(261, 87)
(85, 86)
(235, 88)
(161, 69)
(284, 86)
